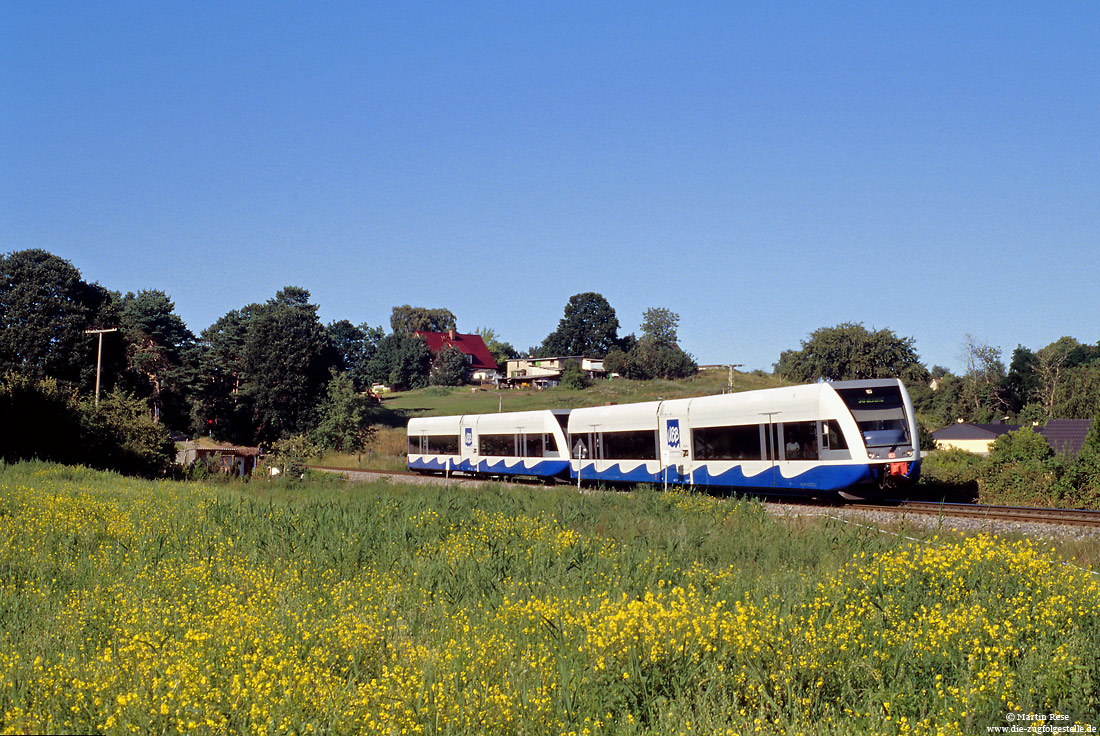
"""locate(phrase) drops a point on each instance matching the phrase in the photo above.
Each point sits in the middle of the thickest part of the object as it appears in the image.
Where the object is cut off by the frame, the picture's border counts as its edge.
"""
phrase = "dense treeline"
(1061, 380)
(261, 374)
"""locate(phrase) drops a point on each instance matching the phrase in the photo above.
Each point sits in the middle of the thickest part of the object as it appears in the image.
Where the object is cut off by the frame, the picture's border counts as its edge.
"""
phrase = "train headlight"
(909, 453)
(871, 455)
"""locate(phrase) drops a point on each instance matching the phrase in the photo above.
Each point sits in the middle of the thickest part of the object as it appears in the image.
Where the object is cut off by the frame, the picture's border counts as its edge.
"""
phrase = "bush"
(292, 454)
(120, 435)
(572, 377)
(1022, 470)
(952, 466)
(41, 419)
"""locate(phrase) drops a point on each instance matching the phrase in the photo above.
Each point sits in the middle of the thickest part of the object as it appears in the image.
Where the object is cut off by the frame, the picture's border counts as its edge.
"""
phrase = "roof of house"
(1066, 435)
(471, 345)
(968, 431)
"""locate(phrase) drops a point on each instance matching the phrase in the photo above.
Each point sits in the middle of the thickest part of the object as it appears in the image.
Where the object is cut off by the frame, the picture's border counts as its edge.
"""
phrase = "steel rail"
(1022, 514)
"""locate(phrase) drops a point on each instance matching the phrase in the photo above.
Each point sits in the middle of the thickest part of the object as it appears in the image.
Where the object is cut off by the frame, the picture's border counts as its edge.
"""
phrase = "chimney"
(451, 333)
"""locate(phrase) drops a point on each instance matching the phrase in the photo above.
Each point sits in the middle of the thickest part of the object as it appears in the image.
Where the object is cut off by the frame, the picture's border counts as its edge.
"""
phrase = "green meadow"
(330, 607)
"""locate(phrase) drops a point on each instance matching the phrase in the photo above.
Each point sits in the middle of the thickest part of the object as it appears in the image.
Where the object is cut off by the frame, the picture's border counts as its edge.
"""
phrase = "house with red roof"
(481, 363)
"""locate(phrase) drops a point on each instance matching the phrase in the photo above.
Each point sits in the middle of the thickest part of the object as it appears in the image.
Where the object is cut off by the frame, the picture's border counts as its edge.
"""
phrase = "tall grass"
(263, 607)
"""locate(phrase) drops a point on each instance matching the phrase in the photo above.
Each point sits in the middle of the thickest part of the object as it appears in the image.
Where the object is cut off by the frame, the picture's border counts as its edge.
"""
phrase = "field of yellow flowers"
(141, 607)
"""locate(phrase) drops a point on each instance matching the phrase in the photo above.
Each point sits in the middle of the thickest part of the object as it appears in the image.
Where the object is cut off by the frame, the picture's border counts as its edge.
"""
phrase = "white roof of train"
(791, 402)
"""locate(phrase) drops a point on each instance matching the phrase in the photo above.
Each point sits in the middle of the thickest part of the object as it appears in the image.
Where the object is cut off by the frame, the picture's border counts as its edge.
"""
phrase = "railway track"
(1019, 514)
(1022, 514)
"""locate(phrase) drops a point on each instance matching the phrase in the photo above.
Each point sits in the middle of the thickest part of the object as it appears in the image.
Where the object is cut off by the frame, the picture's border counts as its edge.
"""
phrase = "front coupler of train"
(885, 480)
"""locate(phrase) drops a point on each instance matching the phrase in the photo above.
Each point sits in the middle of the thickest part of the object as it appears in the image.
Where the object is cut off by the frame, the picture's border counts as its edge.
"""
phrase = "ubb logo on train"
(673, 427)
(469, 436)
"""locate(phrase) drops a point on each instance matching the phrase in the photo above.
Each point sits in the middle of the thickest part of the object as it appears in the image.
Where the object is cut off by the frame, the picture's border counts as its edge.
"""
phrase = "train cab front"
(884, 414)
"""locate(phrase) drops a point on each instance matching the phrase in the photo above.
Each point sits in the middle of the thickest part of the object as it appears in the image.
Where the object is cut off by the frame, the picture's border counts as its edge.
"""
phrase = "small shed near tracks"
(231, 459)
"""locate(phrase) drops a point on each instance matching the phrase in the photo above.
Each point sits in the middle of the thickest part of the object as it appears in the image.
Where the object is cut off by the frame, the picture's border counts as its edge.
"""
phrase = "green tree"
(346, 417)
(1021, 470)
(156, 339)
(1078, 394)
(589, 328)
(850, 351)
(1082, 477)
(347, 341)
(410, 319)
(449, 367)
(656, 354)
(262, 370)
(355, 347)
(659, 326)
(615, 361)
(401, 360)
(39, 418)
(1051, 364)
(119, 434)
(286, 358)
(983, 386)
(1022, 384)
(219, 405)
(45, 306)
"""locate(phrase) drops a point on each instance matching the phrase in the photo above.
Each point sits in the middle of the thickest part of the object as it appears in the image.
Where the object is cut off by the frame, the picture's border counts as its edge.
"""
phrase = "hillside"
(439, 401)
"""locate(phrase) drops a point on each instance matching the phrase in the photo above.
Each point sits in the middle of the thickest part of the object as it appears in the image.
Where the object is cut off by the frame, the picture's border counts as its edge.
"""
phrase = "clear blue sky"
(762, 169)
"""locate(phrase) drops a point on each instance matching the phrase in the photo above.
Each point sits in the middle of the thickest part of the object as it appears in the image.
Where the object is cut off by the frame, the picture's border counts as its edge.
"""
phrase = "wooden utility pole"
(99, 358)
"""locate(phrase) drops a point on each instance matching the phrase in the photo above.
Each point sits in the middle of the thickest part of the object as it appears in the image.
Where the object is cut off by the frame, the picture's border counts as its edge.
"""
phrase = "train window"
(415, 445)
(498, 445)
(441, 444)
(534, 445)
(630, 445)
(831, 436)
(580, 448)
(727, 443)
(880, 413)
(800, 440)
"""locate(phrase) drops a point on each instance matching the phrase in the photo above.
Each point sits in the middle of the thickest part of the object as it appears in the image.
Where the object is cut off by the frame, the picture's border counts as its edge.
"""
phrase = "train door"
(674, 451)
(582, 445)
(773, 450)
(469, 448)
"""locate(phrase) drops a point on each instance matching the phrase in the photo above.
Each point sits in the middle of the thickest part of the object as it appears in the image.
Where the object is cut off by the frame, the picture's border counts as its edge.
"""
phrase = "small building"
(1066, 435)
(546, 372)
(481, 365)
(232, 459)
(976, 438)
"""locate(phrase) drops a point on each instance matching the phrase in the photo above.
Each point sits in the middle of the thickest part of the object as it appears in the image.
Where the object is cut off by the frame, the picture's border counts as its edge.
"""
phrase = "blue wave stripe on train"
(547, 468)
(820, 477)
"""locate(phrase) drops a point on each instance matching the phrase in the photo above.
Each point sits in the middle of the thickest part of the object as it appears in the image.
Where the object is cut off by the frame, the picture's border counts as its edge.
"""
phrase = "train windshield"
(880, 413)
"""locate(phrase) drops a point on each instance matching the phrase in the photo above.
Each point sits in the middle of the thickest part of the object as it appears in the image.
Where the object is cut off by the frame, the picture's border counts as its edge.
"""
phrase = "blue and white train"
(854, 438)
